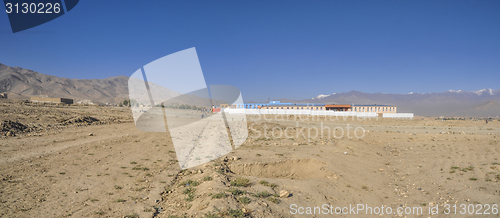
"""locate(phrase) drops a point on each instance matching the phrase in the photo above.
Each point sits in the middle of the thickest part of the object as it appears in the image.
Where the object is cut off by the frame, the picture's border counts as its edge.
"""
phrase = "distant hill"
(22, 83)
(482, 102)
(483, 110)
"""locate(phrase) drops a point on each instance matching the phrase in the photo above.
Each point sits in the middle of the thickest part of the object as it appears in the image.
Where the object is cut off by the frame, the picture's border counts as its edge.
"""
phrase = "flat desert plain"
(91, 161)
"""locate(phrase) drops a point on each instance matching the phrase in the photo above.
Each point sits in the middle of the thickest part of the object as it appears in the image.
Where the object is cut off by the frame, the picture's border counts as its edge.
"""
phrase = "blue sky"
(275, 49)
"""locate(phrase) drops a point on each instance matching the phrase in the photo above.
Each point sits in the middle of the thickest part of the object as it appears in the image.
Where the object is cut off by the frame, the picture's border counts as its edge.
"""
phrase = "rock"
(236, 158)
(91, 134)
(284, 194)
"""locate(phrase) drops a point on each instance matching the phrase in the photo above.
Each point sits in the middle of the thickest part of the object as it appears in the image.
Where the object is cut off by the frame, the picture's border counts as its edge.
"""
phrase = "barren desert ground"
(91, 161)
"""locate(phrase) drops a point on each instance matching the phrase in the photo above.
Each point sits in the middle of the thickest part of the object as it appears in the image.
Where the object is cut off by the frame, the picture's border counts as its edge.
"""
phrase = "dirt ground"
(91, 161)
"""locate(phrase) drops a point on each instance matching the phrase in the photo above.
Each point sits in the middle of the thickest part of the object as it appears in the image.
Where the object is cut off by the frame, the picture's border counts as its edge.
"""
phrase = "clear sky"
(276, 49)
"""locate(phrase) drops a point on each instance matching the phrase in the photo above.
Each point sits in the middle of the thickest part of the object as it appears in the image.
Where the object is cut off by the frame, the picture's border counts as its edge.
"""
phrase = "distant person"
(486, 120)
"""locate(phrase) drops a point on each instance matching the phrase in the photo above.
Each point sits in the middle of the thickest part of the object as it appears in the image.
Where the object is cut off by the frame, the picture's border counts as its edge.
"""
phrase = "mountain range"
(22, 83)
(484, 102)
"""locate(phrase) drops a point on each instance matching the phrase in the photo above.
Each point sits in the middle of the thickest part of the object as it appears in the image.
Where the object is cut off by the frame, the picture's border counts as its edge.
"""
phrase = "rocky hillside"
(22, 83)
(482, 102)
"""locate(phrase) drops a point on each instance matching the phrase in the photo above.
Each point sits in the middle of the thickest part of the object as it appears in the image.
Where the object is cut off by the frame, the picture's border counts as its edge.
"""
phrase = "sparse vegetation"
(274, 200)
(234, 213)
(235, 191)
(100, 213)
(266, 183)
(189, 183)
(241, 182)
(263, 194)
(210, 215)
(189, 190)
(244, 200)
(140, 189)
(134, 215)
(219, 195)
(190, 197)
(140, 168)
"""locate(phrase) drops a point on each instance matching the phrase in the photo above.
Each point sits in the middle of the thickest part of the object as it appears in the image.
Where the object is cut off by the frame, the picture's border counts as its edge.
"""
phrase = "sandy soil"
(76, 161)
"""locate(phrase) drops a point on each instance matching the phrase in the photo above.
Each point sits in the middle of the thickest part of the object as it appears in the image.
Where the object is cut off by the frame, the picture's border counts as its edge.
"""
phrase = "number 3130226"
(33, 8)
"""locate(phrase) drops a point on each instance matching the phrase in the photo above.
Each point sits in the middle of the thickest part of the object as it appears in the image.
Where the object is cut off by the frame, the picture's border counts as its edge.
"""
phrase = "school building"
(313, 106)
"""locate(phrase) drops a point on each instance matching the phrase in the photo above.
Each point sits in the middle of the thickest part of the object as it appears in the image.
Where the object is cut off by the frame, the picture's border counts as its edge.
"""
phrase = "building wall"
(67, 100)
(374, 108)
(294, 107)
(52, 100)
(290, 106)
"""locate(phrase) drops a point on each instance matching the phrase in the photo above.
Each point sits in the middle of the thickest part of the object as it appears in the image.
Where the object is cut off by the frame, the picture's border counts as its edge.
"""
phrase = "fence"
(300, 112)
(398, 115)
